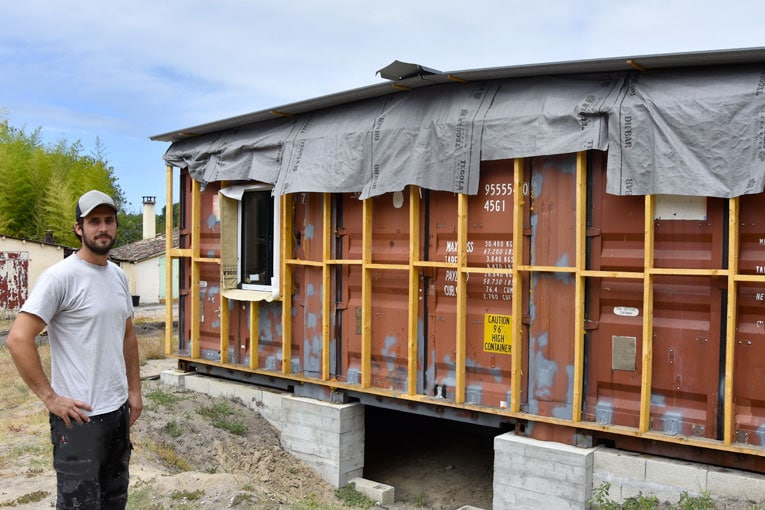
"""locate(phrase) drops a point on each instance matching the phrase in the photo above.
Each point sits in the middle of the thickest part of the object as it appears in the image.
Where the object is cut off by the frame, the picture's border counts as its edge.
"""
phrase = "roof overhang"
(425, 77)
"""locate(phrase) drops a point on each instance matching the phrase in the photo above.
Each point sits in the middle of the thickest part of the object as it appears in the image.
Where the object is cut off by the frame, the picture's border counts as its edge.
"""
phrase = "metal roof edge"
(612, 64)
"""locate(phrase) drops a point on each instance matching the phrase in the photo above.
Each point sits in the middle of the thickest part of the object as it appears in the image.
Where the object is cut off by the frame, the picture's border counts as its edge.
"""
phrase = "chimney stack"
(149, 218)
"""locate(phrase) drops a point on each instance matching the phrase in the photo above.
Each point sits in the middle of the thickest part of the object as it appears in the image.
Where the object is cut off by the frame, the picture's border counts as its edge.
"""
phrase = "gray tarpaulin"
(696, 132)
(549, 115)
(689, 132)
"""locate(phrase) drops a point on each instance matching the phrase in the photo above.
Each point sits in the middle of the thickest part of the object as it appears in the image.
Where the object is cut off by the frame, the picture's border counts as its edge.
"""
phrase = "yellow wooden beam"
(581, 260)
(647, 356)
(224, 329)
(254, 333)
(169, 260)
(286, 283)
(414, 288)
(326, 294)
(731, 319)
(461, 333)
(517, 335)
(196, 304)
(366, 295)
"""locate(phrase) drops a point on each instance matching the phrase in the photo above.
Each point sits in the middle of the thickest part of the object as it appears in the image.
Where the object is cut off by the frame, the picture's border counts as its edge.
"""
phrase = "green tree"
(40, 184)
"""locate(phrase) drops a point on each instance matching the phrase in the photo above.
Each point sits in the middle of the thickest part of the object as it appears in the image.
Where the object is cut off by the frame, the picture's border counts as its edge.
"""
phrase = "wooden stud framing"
(461, 333)
(169, 260)
(254, 333)
(731, 319)
(414, 290)
(366, 296)
(518, 250)
(647, 368)
(224, 329)
(326, 274)
(196, 305)
(285, 283)
(581, 240)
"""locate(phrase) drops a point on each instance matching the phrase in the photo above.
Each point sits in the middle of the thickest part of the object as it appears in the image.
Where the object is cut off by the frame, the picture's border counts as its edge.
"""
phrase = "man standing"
(94, 394)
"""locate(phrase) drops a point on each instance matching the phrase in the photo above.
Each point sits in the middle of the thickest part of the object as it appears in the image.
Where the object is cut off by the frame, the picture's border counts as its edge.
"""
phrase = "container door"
(552, 242)
(749, 374)
(390, 290)
(688, 234)
(489, 295)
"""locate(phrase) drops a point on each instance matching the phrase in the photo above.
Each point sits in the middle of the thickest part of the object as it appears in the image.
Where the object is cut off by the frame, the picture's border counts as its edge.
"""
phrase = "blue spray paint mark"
(311, 320)
(389, 352)
(309, 231)
(309, 291)
(604, 412)
(212, 221)
(658, 400)
(672, 423)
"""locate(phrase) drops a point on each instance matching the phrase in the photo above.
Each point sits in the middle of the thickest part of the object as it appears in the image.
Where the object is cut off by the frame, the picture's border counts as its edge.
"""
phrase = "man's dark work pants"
(91, 461)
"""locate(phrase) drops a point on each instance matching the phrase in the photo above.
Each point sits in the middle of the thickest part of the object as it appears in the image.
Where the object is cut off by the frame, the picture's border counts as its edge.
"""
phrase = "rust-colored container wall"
(540, 299)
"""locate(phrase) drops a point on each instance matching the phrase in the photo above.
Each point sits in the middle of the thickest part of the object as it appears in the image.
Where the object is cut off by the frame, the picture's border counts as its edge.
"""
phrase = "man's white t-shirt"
(85, 307)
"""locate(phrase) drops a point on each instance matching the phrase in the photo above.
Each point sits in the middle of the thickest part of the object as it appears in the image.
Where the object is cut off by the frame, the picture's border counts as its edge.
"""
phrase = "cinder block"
(175, 378)
(688, 477)
(619, 464)
(738, 485)
(379, 492)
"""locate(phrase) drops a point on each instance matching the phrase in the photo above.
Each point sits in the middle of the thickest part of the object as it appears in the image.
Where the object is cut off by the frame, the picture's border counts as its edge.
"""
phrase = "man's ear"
(77, 229)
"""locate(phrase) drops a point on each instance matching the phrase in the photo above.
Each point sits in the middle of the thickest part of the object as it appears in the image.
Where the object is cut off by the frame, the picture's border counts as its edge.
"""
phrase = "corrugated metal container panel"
(749, 374)
(552, 225)
(390, 288)
(488, 356)
(686, 315)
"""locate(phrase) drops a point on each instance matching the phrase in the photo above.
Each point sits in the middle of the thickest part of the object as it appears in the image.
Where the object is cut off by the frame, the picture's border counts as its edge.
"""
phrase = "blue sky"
(124, 71)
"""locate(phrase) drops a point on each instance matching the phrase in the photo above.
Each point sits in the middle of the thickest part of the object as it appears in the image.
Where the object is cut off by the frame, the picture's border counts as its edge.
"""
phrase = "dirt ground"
(182, 460)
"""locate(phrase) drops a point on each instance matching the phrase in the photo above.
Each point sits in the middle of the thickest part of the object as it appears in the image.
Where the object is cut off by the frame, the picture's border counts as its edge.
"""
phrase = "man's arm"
(133, 369)
(21, 344)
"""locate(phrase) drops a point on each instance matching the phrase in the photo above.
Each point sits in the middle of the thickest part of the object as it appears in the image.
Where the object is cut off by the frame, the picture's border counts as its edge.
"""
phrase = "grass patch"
(160, 397)
(174, 429)
(168, 455)
(187, 495)
(151, 345)
(353, 498)
(221, 415)
(32, 497)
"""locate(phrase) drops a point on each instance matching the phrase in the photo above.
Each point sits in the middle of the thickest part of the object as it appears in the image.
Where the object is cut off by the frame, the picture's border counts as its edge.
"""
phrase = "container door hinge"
(341, 231)
(593, 232)
(590, 325)
(341, 306)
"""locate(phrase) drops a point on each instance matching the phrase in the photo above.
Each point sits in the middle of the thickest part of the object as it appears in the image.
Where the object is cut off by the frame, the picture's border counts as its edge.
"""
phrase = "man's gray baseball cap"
(90, 201)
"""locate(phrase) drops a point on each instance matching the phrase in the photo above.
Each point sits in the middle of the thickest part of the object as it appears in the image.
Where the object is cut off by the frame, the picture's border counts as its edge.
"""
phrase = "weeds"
(353, 498)
(163, 398)
(601, 500)
(220, 416)
(187, 495)
(32, 497)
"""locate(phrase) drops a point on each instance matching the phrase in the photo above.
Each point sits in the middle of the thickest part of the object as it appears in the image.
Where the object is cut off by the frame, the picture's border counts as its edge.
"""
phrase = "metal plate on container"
(623, 352)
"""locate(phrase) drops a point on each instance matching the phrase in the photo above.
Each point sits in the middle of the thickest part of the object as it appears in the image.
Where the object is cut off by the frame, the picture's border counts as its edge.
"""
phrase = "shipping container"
(549, 280)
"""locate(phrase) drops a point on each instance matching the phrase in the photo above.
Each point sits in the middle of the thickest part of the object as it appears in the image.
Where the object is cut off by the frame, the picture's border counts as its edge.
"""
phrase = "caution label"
(498, 333)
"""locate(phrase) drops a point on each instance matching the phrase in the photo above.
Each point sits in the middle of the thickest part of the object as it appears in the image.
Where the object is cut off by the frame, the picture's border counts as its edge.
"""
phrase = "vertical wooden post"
(366, 296)
(647, 363)
(581, 261)
(326, 287)
(169, 260)
(414, 290)
(196, 304)
(288, 221)
(254, 333)
(517, 334)
(461, 333)
(731, 319)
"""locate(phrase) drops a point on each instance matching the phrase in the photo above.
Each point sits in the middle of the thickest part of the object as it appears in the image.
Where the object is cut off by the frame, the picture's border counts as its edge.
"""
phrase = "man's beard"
(97, 248)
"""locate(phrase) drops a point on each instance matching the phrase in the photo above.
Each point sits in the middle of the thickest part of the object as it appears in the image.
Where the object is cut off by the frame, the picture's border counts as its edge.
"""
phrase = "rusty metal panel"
(488, 356)
(390, 290)
(552, 242)
(687, 330)
(209, 318)
(749, 367)
(209, 227)
(14, 279)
